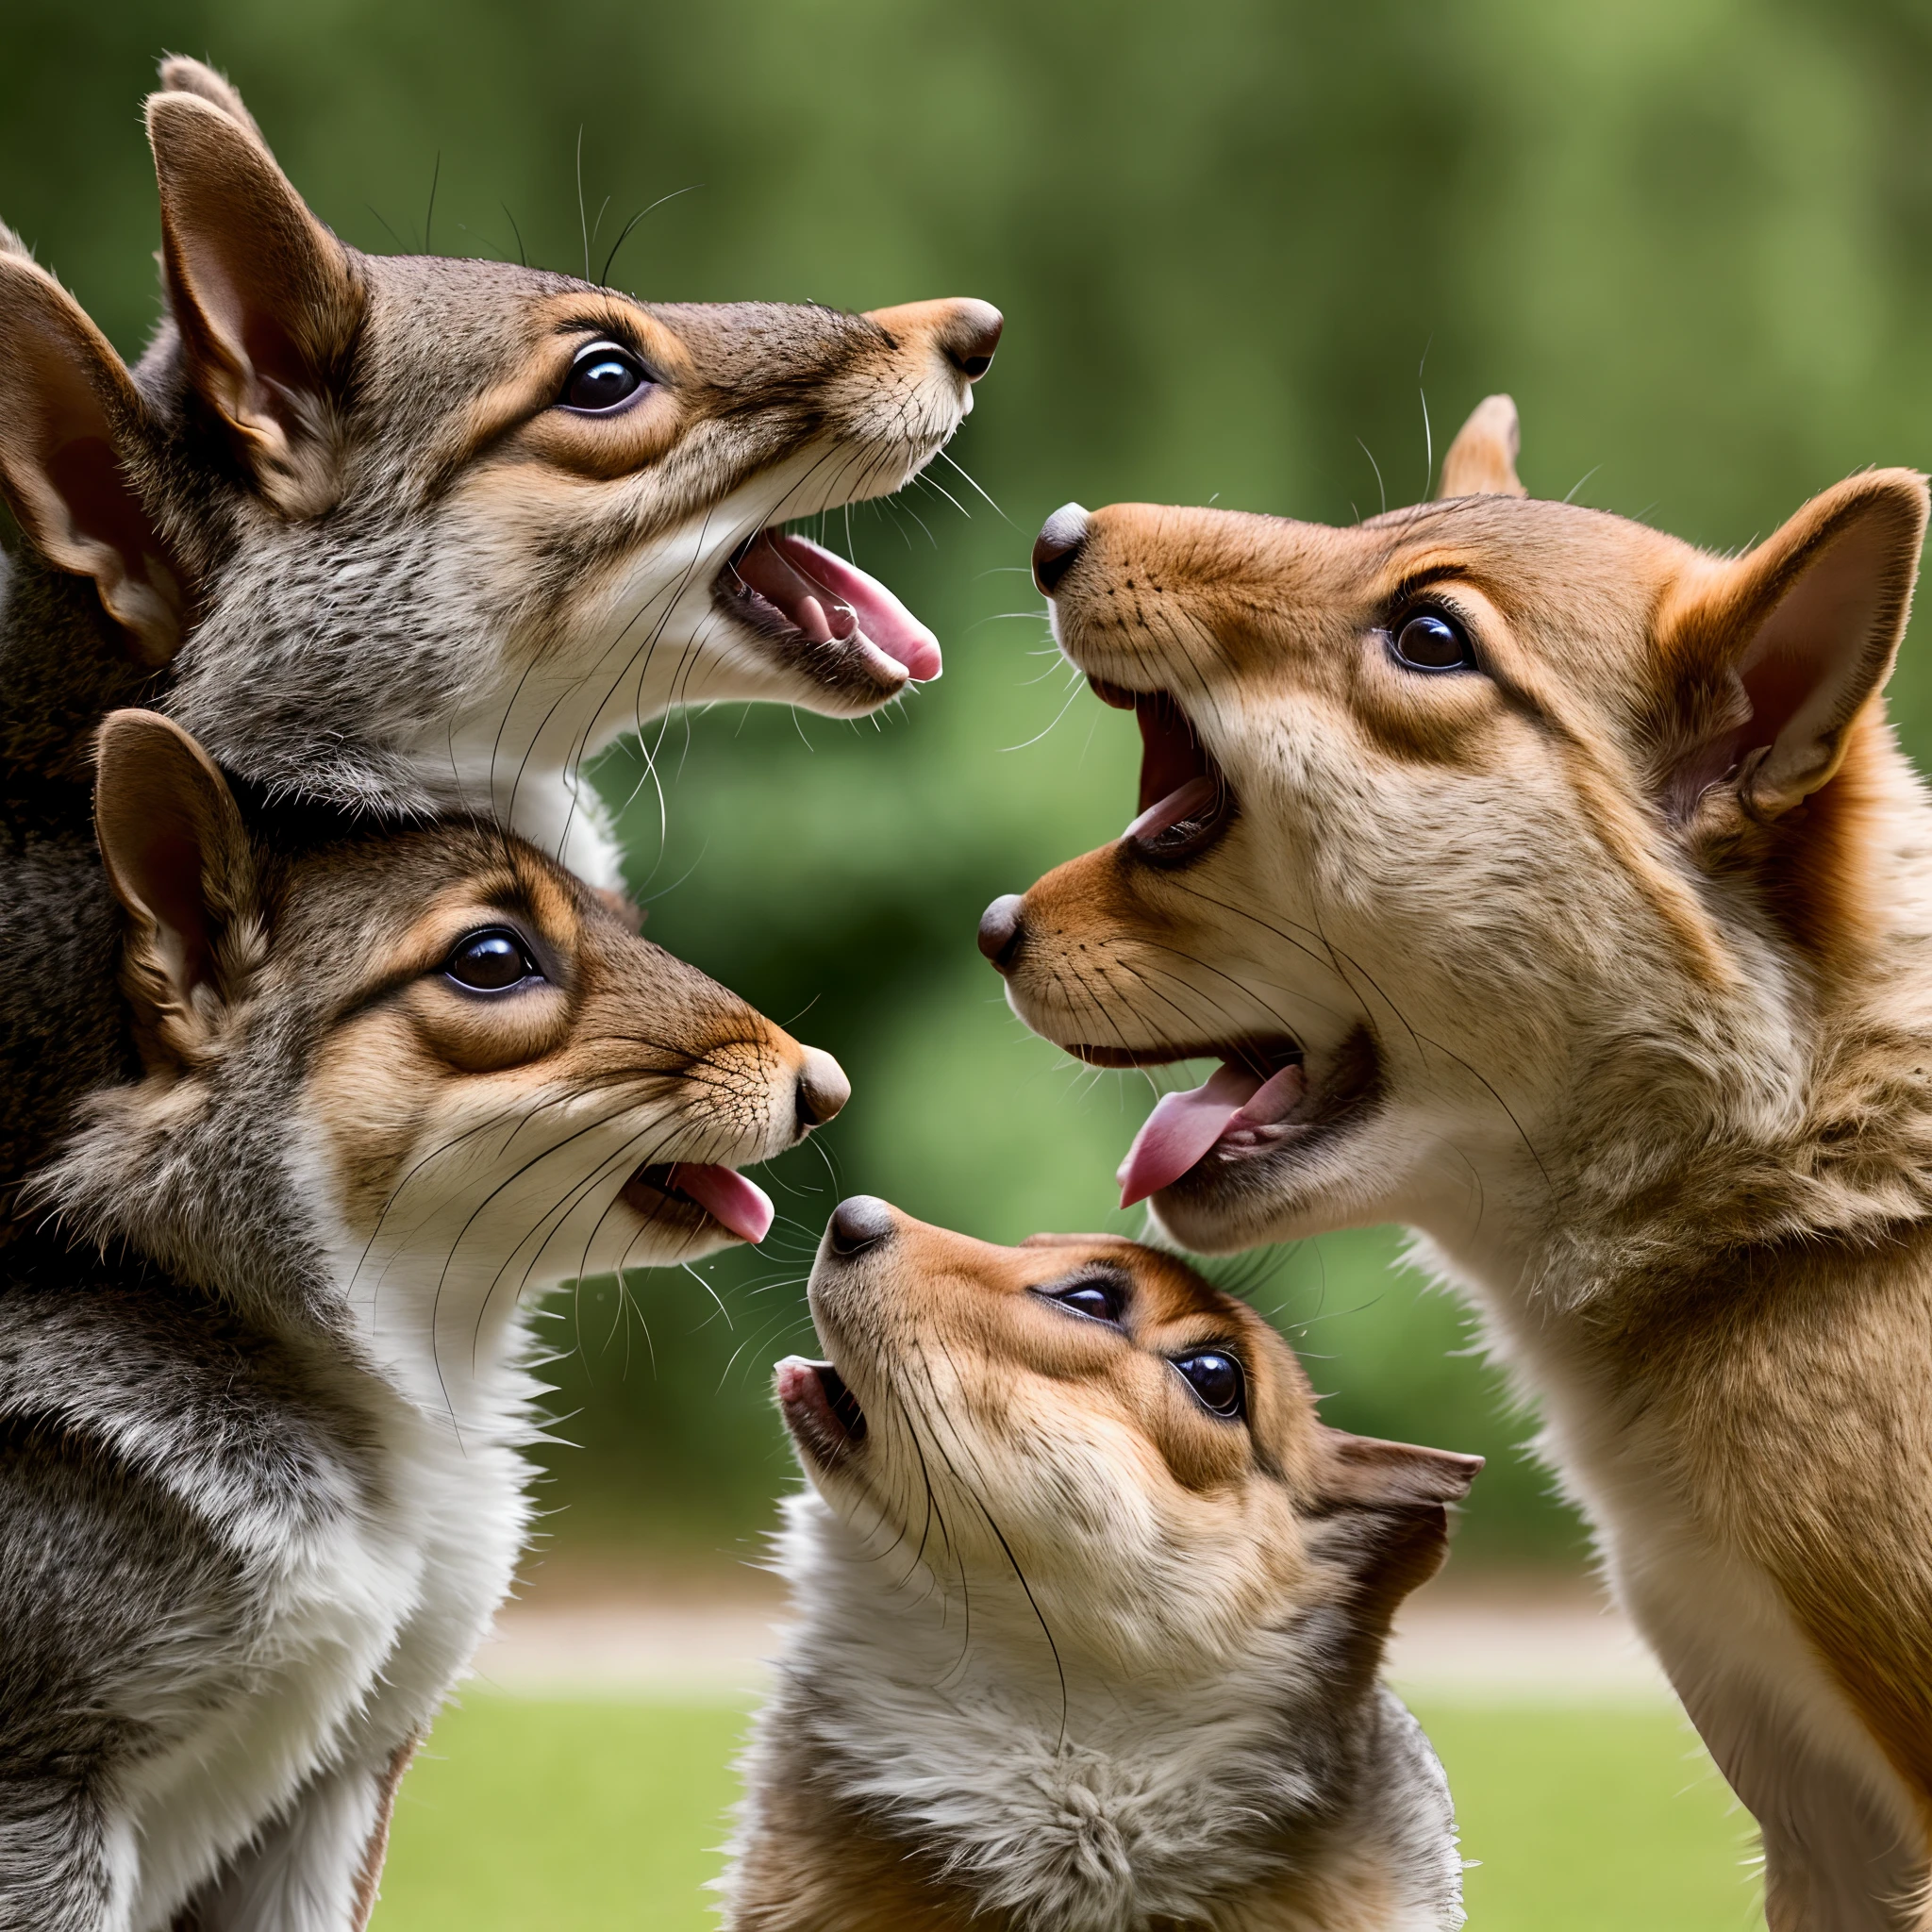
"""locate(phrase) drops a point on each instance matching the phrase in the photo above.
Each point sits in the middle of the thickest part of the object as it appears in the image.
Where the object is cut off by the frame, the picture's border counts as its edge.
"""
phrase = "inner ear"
(1824, 646)
(1772, 662)
(173, 844)
(69, 421)
(267, 300)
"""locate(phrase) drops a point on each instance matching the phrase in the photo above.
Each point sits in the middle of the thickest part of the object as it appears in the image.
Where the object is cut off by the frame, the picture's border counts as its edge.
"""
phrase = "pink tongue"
(1181, 803)
(827, 597)
(1183, 1127)
(725, 1195)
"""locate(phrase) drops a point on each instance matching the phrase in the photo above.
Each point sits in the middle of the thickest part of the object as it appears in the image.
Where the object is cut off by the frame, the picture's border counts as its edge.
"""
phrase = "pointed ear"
(1771, 661)
(1482, 460)
(178, 859)
(1388, 1528)
(1366, 1472)
(267, 300)
(69, 419)
(181, 76)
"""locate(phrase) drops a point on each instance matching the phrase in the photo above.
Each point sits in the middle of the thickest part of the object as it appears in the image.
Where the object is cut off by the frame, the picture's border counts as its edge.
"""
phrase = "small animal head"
(383, 517)
(395, 1078)
(1499, 851)
(1089, 1423)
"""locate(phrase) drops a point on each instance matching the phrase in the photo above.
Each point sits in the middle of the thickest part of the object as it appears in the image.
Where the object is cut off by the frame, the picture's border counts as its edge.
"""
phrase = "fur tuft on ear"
(1771, 659)
(267, 300)
(1482, 460)
(10, 244)
(182, 75)
(178, 859)
(69, 416)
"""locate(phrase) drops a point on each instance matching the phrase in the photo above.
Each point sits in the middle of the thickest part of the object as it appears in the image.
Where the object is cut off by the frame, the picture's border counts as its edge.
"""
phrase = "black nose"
(972, 336)
(1057, 545)
(861, 1223)
(999, 930)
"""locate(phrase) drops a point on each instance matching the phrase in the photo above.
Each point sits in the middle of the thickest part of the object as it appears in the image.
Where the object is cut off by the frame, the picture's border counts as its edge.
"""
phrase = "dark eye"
(1431, 642)
(1102, 1300)
(602, 377)
(491, 961)
(1217, 1379)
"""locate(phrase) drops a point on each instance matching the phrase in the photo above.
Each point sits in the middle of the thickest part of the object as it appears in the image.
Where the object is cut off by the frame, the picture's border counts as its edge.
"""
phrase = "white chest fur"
(365, 1623)
(1072, 1798)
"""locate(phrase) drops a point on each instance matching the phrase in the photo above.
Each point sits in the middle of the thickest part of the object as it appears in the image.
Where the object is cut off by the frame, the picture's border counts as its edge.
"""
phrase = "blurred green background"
(1246, 250)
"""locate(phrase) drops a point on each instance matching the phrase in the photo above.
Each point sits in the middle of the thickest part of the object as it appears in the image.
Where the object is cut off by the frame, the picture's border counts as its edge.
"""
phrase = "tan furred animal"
(260, 1502)
(1090, 1613)
(1560, 891)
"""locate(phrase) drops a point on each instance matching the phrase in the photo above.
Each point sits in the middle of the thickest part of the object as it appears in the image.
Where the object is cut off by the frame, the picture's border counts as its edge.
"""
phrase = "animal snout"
(1056, 549)
(964, 331)
(823, 1088)
(969, 339)
(1000, 932)
(859, 1224)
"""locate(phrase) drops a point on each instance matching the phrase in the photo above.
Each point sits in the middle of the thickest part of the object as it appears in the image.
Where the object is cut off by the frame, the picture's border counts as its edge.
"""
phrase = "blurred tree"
(1264, 252)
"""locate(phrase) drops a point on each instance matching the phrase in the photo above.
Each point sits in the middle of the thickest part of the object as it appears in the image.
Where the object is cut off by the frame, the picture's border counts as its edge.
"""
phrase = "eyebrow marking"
(1415, 581)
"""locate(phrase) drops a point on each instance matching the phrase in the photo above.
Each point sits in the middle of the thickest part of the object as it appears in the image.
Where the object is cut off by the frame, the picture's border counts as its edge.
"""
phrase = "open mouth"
(695, 1196)
(1252, 1101)
(801, 596)
(1261, 1100)
(821, 1412)
(1185, 802)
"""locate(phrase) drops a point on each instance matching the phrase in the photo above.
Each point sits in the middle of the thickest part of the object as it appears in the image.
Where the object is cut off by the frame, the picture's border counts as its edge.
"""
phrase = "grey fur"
(243, 1556)
(332, 657)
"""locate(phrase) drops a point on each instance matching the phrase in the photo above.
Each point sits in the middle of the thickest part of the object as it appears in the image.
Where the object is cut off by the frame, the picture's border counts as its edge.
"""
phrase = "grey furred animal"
(405, 534)
(1090, 1613)
(260, 1479)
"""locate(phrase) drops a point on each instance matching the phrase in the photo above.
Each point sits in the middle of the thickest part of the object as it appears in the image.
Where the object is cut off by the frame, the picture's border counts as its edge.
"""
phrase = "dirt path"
(1537, 1644)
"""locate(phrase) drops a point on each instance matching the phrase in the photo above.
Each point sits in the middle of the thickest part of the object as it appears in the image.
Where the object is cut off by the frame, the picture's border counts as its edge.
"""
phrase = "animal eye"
(1217, 1379)
(602, 377)
(494, 961)
(1101, 1300)
(1431, 642)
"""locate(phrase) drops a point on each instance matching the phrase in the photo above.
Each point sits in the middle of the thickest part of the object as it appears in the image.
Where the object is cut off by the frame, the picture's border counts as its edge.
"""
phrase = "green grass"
(557, 1817)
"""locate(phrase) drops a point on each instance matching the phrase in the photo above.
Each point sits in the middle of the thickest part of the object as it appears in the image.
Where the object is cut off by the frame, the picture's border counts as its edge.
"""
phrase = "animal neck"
(449, 1331)
(1059, 1795)
(1791, 1109)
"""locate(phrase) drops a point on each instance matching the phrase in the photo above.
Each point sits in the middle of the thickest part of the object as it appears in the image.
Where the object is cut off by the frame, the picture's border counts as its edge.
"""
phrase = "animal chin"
(821, 1413)
(827, 618)
(686, 1198)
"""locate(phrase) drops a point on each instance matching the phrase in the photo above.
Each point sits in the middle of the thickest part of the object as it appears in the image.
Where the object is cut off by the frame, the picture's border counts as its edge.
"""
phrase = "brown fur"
(1216, 1565)
(1633, 919)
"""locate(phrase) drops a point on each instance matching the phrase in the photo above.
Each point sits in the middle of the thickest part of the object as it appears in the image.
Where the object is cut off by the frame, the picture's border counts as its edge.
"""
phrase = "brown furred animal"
(1560, 891)
(1091, 1612)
